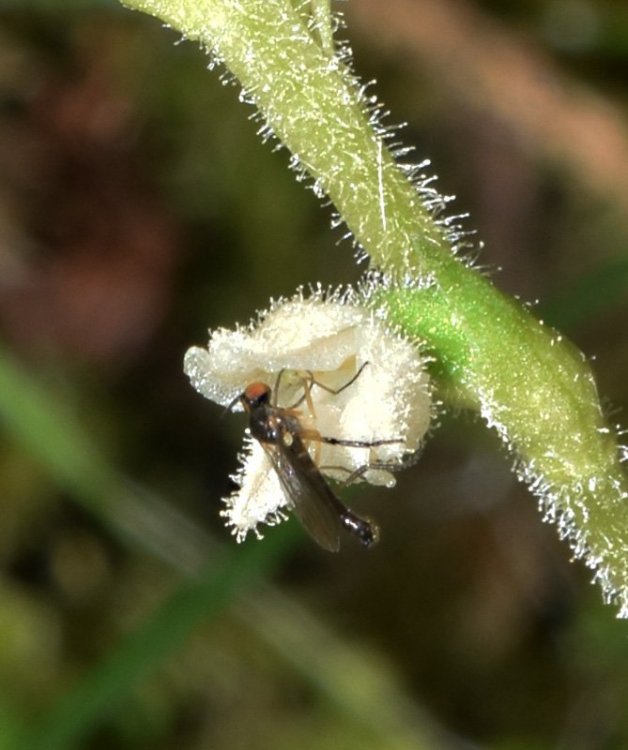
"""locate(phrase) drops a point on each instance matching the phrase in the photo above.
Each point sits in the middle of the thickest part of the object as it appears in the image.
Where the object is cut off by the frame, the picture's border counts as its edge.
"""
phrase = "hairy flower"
(364, 383)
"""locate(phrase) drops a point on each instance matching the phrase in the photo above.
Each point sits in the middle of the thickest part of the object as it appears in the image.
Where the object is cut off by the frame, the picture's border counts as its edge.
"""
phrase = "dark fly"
(283, 437)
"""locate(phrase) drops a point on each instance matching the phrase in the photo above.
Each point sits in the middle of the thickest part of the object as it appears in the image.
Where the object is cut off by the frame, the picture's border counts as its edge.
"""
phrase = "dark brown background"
(137, 209)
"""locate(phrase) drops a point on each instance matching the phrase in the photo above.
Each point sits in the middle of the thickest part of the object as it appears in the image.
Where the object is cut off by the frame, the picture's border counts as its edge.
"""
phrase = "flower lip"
(320, 344)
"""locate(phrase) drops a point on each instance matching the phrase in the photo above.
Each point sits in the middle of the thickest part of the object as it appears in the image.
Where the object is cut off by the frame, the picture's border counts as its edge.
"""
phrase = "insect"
(283, 436)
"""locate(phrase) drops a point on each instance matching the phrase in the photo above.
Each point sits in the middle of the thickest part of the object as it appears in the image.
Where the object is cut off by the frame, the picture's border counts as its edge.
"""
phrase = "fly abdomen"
(366, 531)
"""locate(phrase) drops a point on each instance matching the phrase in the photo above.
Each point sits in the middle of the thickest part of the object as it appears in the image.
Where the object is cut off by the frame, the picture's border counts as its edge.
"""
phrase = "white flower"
(327, 338)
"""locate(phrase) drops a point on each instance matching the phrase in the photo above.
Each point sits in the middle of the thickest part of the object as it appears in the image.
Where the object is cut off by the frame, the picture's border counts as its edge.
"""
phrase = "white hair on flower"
(353, 378)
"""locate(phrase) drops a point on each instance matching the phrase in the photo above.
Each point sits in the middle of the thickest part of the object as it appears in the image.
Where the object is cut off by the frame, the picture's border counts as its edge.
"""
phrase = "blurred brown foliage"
(138, 209)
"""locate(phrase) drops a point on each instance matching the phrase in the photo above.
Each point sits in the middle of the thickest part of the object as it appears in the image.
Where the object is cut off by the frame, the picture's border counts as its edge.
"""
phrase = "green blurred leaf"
(107, 685)
(589, 297)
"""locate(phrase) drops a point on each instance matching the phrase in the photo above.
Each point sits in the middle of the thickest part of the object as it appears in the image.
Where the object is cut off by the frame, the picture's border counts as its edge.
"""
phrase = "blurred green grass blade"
(58, 6)
(40, 420)
(589, 297)
(50, 433)
(106, 686)
(354, 679)
(46, 428)
(11, 731)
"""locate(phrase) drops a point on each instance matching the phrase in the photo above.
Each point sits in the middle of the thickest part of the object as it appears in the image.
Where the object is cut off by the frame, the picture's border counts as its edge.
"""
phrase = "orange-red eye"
(256, 392)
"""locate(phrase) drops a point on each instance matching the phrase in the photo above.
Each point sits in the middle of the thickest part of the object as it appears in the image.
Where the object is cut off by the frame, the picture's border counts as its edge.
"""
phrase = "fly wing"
(308, 495)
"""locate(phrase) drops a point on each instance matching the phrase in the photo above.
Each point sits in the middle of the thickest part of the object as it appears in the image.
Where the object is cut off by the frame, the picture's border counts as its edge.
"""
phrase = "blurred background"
(138, 208)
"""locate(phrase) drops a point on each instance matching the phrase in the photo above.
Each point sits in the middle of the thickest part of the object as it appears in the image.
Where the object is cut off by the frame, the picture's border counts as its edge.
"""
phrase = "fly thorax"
(264, 426)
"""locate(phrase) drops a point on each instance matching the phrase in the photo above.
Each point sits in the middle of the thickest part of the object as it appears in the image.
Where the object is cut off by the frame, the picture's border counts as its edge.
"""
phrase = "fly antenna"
(229, 407)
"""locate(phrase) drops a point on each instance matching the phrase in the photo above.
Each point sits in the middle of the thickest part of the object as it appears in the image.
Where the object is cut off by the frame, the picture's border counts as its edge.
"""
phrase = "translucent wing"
(310, 497)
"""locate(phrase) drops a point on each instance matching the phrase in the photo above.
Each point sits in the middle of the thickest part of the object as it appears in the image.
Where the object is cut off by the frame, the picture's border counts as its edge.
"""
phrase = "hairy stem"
(492, 355)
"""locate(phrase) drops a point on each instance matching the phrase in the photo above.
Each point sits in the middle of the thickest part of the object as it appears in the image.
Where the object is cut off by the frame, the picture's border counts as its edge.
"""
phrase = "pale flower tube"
(327, 338)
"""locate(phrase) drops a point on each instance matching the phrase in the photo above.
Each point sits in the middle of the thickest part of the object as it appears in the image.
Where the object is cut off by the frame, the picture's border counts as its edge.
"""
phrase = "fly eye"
(256, 394)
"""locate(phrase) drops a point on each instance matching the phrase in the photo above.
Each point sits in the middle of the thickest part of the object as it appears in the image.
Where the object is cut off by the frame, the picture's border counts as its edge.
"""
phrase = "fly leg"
(390, 466)
(276, 389)
(316, 437)
(365, 529)
(309, 381)
(334, 391)
(356, 473)
(354, 443)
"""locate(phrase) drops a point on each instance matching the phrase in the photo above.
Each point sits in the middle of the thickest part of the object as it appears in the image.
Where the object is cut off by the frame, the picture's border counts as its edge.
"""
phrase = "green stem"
(313, 106)
(492, 355)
